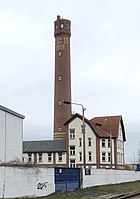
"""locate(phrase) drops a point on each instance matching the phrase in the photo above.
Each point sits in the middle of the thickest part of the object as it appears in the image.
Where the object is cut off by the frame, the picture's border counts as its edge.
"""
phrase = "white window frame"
(103, 156)
(72, 134)
(72, 163)
(40, 157)
(72, 150)
(103, 143)
(60, 157)
(80, 156)
(29, 157)
(109, 143)
(109, 157)
(89, 142)
(80, 142)
(49, 157)
(89, 156)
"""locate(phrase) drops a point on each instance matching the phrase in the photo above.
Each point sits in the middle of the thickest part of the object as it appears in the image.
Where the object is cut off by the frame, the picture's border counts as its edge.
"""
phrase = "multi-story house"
(104, 145)
(104, 142)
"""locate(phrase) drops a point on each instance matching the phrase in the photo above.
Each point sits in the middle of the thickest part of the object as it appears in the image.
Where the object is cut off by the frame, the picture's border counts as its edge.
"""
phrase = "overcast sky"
(105, 62)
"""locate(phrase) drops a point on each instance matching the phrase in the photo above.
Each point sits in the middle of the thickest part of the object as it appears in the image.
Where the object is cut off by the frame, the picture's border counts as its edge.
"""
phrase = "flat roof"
(11, 112)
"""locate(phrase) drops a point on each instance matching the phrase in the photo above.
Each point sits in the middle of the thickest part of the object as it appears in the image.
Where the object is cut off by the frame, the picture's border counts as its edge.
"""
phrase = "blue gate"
(67, 178)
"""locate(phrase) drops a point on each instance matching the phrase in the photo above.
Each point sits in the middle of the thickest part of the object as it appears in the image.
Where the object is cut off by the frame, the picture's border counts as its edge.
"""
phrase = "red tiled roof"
(103, 126)
(108, 124)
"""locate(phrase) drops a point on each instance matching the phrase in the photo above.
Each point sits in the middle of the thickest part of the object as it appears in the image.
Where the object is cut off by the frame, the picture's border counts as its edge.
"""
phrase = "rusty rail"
(123, 195)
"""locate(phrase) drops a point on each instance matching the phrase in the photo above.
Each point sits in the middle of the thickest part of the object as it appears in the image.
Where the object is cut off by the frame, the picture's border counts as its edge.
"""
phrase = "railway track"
(122, 195)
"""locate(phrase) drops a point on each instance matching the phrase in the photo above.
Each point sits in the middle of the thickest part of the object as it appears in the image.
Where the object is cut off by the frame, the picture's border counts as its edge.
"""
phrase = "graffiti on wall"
(42, 185)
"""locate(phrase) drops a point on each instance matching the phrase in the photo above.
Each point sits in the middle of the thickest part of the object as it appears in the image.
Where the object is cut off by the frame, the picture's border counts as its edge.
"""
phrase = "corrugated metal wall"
(67, 178)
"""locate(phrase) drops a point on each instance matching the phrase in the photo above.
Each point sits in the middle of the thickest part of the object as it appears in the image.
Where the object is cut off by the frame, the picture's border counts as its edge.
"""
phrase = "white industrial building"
(11, 135)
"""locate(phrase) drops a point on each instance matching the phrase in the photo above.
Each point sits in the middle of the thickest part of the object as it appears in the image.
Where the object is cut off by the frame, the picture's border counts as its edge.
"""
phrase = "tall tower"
(62, 112)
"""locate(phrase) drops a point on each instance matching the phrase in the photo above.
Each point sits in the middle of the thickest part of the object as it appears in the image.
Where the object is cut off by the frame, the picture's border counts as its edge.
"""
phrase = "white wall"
(108, 176)
(45, 158)
(2, 137)
(11, 132)
(25, 181)
(76, 124)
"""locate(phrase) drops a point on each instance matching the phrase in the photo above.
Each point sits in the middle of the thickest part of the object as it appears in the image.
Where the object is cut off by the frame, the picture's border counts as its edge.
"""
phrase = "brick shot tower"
(62, 87)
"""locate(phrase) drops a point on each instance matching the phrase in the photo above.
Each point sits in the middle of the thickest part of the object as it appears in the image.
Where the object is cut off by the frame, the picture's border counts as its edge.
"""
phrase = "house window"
(89, 156)
(103, 142)
(109, 157)
(80, 156)
(40, 157)
(72, 150)
(49, 157)
(103, 157)
(109, 143)
(72, 163)
(72, 133)
(80, 142)
(29, 157)
(60, 157)
(89, 141)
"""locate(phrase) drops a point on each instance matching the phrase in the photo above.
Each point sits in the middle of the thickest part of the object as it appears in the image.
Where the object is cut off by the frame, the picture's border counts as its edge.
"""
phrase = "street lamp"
(111, 161)
(83, 129)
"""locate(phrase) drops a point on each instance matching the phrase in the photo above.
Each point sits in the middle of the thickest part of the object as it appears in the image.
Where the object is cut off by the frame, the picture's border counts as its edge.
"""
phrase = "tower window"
(59, 77)
(59, 53)
(59, 129)
(62, 25)
(59, 103)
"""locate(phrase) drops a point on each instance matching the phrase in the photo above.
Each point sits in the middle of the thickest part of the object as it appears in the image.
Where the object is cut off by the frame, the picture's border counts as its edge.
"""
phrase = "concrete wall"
(11, 133)
(108, 176)
(26, 181)
(23, 181)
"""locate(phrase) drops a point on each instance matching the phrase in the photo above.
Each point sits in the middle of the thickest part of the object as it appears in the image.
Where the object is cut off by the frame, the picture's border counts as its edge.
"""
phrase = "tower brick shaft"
(62, 112)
